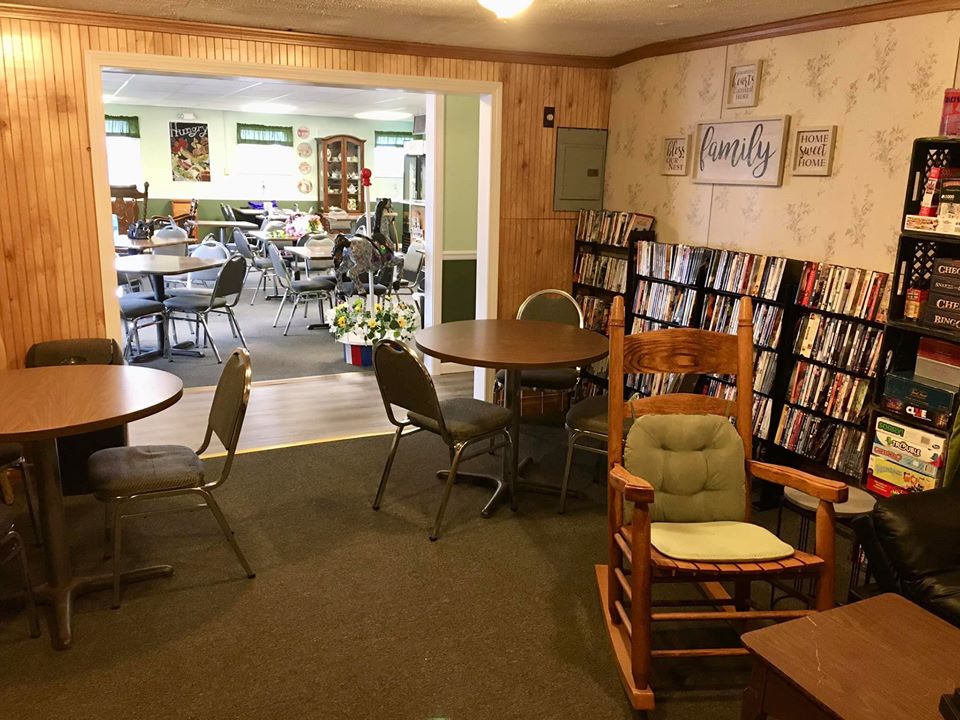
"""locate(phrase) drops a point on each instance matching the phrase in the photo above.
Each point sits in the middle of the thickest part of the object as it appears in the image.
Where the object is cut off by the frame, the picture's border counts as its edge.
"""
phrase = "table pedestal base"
(60, 599)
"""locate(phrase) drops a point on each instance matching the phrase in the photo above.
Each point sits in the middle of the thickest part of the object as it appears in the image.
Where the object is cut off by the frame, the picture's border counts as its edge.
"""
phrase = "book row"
(847, 451)
(603, 271)
(843, 290)
(762, 406)
(844, 343)
(828, 391)
(596, 312)
(668, 303)
(644, 325)
(764, 372)
(666, 261)
(746, 273)
(803, 433)
(649, 384)
(610, 228)
(720, 314)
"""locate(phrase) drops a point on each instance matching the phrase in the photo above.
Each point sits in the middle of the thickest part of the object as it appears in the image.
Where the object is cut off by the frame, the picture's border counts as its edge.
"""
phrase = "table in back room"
(514, 346)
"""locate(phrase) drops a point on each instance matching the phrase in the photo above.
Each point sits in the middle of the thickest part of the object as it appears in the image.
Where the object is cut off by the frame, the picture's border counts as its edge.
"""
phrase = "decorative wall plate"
(305, 168)
(305, 187)
(303, 133)
(304, 150)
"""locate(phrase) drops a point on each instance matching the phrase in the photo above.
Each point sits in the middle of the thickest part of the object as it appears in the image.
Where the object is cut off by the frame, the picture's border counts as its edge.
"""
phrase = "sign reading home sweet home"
(813, 150)
(742, 152)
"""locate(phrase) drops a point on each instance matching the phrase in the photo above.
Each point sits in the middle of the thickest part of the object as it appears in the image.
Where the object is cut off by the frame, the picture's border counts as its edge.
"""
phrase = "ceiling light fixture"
(108, 98)
(505, 9)
(383, 115)
(268, 107)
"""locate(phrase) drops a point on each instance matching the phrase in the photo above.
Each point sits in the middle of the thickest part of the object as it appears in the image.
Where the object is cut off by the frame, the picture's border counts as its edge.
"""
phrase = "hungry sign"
(742, 152)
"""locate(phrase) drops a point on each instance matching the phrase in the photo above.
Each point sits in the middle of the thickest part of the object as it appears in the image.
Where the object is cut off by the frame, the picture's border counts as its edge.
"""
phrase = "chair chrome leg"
(261, 281)
(386, 468)
(293, 311)
(27, 584)
(280, 309)
(107, 535)
(451, 479)
(209, 337)
(236, 324)
(227, 532)
(571, 444)
(117, 534)
(508, 453)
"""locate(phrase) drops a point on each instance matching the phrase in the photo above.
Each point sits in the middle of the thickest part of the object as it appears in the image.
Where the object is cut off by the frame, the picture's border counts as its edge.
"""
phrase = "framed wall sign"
(742, 152)
(813, 150)
(743, 85)
(676, 155)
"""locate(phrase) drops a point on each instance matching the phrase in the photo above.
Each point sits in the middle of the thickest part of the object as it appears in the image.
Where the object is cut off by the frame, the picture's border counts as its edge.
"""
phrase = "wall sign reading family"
(676, 155)
(813, 150)
(742, 152)
(189, 151)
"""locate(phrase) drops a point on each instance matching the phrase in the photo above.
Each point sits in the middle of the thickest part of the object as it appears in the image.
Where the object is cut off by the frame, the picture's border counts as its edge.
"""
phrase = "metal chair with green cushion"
(11, 546)
(224, 297)
(549, 306)
(405, 383)
(123, 475)
(678, 502)
(586, 420)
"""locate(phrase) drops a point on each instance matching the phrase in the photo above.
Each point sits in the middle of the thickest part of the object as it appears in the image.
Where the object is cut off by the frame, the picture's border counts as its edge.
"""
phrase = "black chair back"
(74, 450)
(405, 383)
(280, 268)
(229, 406)
(243, 245)
(551, 306)
(229, 282)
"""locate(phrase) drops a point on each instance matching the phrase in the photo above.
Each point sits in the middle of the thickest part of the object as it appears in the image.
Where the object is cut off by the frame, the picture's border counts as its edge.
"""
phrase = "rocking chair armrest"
(633, 488)
(828, 490)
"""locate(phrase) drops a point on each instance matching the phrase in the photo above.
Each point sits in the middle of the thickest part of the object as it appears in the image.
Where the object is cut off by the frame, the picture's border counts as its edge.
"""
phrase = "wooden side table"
(879, 658)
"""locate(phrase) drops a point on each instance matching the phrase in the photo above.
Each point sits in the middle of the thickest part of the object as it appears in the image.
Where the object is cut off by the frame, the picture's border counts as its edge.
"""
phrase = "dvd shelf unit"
(604, 246)
(835, 365)
(915, 443)
(770, 282)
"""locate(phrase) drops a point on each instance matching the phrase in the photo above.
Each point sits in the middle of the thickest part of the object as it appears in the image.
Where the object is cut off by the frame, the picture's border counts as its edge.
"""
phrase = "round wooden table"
(42, 404)
(514, 346)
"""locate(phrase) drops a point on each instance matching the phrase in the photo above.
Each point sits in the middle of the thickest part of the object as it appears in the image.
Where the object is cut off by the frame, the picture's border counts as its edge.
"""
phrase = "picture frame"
(742, 89)
(675, 155)
(748, 151)
(813, 150)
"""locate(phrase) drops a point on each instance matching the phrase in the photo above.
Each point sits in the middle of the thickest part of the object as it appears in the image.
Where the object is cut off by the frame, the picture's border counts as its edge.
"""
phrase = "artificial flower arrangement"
(391, 319)
(301, 224)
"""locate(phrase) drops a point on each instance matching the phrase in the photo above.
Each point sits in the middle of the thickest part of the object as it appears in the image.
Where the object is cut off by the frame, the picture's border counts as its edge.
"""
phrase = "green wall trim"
(459, 296)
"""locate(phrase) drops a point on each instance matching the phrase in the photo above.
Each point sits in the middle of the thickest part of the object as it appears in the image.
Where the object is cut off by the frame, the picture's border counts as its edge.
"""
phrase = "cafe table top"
(50, 402)
(309, 252)
(512, 344)
(165, 264)
(123, 242)
(242, 224)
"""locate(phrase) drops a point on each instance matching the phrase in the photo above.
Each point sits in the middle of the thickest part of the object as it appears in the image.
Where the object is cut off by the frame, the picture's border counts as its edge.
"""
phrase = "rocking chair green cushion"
(695, 464)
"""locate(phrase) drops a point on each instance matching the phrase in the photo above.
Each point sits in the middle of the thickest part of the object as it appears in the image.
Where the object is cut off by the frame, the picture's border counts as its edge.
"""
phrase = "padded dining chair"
(11, 546)
(74, 450)
(222, 299)
(255, 262)
(460, 422)
(411, 273)
(316, 288)
(121, 476)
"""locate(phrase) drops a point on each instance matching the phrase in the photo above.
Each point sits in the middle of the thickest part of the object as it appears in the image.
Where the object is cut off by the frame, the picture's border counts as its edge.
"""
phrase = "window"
(122, 126)
(264, 135)
(388, 154)
(390, 139)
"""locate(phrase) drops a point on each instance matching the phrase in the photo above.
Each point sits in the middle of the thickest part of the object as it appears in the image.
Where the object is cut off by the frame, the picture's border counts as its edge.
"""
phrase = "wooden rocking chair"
(634, 563)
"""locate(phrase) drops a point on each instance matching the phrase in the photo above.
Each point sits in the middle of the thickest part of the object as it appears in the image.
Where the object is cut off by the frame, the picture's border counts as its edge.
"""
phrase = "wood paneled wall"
(50, 283)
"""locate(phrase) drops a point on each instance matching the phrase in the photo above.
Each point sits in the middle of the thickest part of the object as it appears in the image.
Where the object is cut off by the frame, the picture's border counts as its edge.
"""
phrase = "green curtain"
(388, 138)
(123, 126)
(264, 135)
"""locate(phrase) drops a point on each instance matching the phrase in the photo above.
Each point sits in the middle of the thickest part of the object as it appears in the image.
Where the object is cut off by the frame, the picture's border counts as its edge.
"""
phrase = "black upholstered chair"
(255, 262)
(316, 288)
(405, 383)
(121, 476)
(550, 306)
(74, 450)
(11, 546)
(137, 313)
(912, 544)
(225, 295)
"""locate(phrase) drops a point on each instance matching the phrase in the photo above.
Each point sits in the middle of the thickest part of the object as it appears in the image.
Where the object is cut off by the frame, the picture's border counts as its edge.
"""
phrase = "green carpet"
(353, 613)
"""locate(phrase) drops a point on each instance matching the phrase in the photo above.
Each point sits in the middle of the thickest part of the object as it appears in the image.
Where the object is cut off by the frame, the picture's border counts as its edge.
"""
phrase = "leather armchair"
(912, 543)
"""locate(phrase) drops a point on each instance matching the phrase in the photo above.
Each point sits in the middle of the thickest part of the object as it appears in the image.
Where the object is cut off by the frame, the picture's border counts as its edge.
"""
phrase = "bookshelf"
(915, 268)
(835, 354)
(604, 246)
(771, 283)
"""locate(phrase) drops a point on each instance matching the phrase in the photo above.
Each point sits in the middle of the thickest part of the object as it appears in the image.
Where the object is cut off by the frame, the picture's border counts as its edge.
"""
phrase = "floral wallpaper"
(882, 85)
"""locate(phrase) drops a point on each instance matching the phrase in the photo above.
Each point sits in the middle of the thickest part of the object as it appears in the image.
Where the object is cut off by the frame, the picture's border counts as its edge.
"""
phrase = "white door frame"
(491, 104)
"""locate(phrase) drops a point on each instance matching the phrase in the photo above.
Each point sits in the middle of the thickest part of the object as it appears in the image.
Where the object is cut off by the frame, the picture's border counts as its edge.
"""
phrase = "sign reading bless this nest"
(742, 152)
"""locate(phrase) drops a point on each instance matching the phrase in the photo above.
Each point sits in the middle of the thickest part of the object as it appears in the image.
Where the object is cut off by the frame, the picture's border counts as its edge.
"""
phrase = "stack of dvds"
(845, 344)
(596, 312)
(746, 274)
(601, 271)
(607, 227)
(666, 261)
(670, 304)
(803, 433)
(720, 313)
(844, 290)
(764, 371)
(762, 405)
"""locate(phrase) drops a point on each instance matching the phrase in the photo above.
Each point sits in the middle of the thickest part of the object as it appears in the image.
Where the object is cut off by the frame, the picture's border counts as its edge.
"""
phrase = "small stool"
(858, 502)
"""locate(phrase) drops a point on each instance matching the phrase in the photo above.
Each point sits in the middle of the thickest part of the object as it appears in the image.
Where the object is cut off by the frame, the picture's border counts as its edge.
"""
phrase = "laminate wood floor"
(288, 412)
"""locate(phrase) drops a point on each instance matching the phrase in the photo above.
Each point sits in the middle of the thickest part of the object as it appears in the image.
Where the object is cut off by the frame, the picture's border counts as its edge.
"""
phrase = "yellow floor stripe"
(299, 443)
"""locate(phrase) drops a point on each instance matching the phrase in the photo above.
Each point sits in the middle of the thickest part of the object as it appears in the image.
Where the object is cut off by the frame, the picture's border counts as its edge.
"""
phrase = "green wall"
(461, 162)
